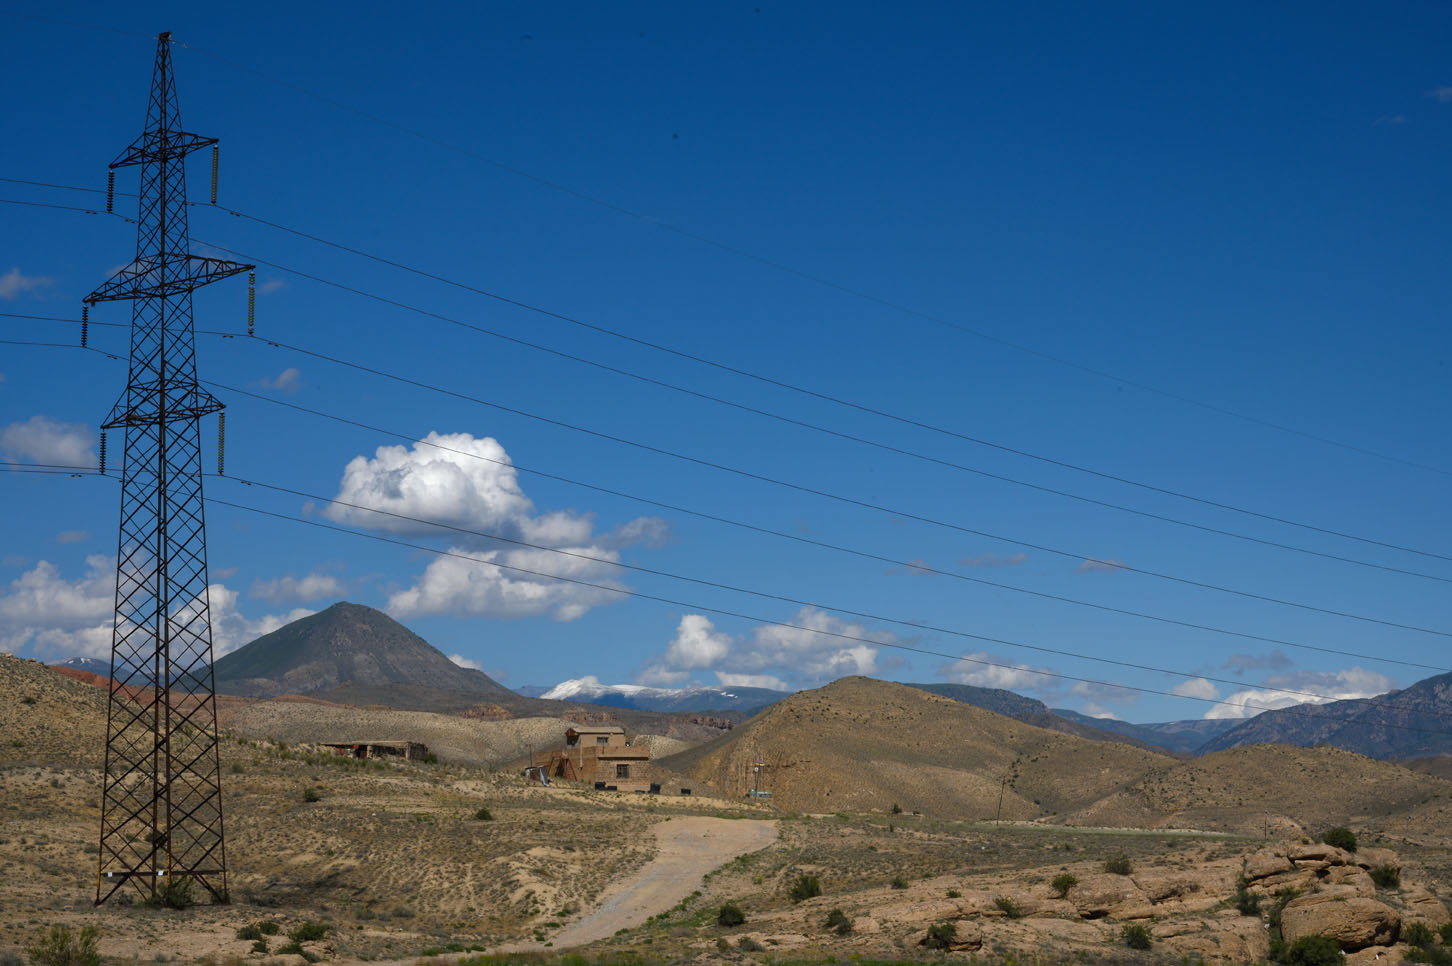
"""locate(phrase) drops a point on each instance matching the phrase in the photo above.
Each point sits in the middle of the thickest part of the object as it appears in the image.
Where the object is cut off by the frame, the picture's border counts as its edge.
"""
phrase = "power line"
(887, 447)
(782, 384)
(718, 585)
(808, 541)
(816, 279)
(825, 494)
(786, 624)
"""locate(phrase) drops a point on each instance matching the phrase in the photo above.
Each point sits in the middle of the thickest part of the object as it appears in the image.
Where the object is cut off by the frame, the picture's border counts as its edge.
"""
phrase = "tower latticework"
(161, 806)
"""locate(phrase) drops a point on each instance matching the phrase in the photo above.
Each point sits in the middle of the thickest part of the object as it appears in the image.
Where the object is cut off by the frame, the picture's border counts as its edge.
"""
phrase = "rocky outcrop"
(1355, 922)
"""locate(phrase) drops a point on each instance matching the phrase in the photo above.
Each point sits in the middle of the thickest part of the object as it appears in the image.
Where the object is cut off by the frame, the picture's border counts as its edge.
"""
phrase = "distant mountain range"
(1180, 737)
(1412, 723)
(702, 698)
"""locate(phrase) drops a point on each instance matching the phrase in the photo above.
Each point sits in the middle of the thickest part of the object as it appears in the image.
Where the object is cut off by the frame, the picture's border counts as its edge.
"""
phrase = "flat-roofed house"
(599, 755)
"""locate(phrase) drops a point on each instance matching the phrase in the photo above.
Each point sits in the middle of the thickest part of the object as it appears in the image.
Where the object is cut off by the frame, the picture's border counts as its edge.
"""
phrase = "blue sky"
(1191, 210)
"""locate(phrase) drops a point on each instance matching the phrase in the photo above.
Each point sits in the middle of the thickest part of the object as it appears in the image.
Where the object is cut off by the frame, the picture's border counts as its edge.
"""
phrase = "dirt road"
(688, 849)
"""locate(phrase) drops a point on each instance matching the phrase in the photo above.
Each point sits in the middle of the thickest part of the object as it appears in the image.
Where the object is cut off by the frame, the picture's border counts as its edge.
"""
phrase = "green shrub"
(430, 758)
(176, 894)
(1417, 934)
(896, 808)
(293, 948)
(898, 882)
(260, 946)
(1247, 903)
(269, 928)
(483, 814)
(1008, 907)
(1386, 876)
(1063, 882)
(1446, 933)
(308, 932)
(941, 935)
(1136, 936)
(1314, 950)
(806, 887)
(747, 944)
(61, 947)
(838, 922)
(730, 915)
(249, 932)
(1341, 837)
(310, 794)
(954, 894)
(1430, 954)
(1119, 865)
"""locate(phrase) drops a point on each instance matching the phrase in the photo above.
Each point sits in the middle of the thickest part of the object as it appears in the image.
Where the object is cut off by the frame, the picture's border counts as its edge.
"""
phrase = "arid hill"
(1280, 788)
(859, 744)
(47, 717)
(345, 643)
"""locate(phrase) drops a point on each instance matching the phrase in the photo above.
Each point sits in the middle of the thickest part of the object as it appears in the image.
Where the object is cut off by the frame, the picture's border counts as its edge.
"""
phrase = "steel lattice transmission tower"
(161, 807)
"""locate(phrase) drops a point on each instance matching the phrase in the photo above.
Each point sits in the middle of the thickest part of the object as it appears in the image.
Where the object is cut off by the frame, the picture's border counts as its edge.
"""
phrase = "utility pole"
(161, 804)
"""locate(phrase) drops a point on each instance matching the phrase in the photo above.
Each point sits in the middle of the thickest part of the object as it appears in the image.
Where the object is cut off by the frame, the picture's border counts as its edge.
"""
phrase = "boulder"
(1355, 922)
(1353, 876)
(866, 925)
(1233, 938)
(1159, 886)
(1376, 858)
(1378, 956)
(1266, 862)
(967, 937)
(1319, 856)
(1097, 896)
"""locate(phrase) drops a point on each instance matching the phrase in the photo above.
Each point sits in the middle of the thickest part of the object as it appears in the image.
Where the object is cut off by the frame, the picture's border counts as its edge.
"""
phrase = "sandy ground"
(687, 848)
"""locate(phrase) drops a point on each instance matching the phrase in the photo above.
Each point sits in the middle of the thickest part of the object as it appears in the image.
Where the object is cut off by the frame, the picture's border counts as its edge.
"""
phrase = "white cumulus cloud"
(61, 618)
(470, 483)
(1309, 687)
(290, 588)
(41, 439)
(463, 661)
(984, 670)
(818, 647)
(288, 380)
(1196, 688)
(15, 282)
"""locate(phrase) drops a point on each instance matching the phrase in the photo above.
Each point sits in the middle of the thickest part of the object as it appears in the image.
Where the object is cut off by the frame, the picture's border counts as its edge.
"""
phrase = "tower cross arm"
(149, 277)
(161, 146)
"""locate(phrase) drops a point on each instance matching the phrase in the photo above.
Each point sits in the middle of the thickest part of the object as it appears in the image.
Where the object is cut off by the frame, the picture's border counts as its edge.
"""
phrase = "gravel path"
(688, 848)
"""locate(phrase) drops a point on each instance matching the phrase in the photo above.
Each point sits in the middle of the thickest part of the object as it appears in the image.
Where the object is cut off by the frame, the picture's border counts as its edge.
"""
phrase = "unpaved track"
(688, 848)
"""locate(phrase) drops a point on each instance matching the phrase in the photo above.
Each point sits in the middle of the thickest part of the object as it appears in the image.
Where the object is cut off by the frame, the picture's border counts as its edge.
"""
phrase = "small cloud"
(1442, 95)
(1391, 119)
(1097, 694)
(994, 561)
(15, 282)
(917, 567)
(42, 439)
(1238, 664)
(985, 670)
(289, 380)
(224, 573)
(771, 681)
(270, 286)
(1091, 565)
(463, 661)
(1196, 688)
(72, 536)
(290, 588)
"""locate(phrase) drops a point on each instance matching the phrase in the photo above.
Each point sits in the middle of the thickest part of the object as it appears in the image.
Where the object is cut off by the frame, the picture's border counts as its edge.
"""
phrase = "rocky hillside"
(1178, 737)
(48, 717)
(1030, 711)
(1276, 788)
(1411, 723)
(859, 744)
(347, 643)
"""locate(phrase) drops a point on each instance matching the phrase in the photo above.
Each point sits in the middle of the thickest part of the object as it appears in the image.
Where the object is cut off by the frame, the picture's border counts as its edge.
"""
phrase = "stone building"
(600, 756)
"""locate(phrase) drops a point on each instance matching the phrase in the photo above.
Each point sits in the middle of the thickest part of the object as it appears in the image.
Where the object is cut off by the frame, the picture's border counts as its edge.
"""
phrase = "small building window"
(622, 771)
(602, 740)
